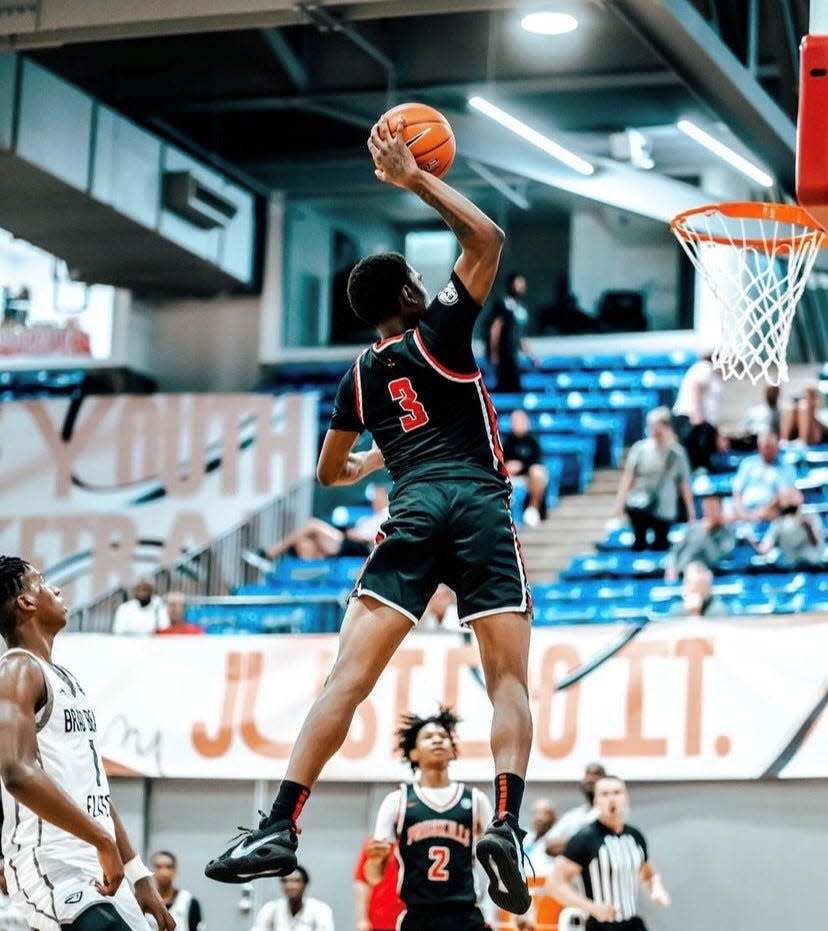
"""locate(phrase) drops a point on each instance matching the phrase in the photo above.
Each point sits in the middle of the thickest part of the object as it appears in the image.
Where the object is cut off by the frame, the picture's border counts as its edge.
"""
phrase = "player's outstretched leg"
(371, 633)
(504, 652)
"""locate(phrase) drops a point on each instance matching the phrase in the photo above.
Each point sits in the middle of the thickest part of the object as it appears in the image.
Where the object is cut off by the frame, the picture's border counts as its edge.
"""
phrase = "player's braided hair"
(12, 571)
(374, 286)
(412, 724)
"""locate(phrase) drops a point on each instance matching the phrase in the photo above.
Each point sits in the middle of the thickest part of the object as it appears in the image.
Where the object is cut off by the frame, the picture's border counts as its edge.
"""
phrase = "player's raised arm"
(21, 688)
(480, 238)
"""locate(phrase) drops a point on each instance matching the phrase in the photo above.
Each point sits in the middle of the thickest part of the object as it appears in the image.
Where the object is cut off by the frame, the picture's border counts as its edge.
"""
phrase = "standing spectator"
(507, 333)
(803, 421)
(611, 857)
(697, 598)
(696, 412)
(176, 605)
(377, 907)
(522, 453)
(295, 912)
(11, 918)
(655, 474)
(544, 817)
(182, 905)
(709, 540)
(759, 480)
(798, 537)
(144, 613)
(572, 820)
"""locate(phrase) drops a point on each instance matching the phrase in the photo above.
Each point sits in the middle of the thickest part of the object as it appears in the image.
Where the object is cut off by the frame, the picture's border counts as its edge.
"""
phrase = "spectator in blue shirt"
(760, 479)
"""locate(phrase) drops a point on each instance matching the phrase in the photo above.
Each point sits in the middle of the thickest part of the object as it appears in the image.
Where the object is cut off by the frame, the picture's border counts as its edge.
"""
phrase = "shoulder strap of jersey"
(358, 385)
(404, 789)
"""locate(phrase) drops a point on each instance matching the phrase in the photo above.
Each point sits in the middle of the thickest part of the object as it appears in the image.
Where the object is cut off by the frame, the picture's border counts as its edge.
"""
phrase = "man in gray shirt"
(709, 540)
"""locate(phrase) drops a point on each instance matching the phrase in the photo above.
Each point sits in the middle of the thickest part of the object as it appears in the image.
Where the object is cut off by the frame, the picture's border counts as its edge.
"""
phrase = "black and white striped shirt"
(611, 865)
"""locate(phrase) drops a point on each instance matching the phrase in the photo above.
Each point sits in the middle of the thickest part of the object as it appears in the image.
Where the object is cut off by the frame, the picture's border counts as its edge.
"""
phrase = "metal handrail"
(218, 568)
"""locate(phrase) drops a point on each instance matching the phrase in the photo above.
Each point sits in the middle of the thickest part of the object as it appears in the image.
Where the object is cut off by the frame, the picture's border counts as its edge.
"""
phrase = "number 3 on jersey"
(402, 391)
(439, 857)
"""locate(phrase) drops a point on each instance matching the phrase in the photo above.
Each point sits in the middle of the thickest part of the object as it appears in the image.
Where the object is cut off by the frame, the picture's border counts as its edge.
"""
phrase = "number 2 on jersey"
(403, 392)
(439, 857)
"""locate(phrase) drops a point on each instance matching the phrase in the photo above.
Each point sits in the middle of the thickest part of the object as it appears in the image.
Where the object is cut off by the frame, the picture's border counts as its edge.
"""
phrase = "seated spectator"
(803, 421)
(182, 905)
(176, 605)
(709, 540)
(799, 538)
(759, 480)
(759, 419)
(441, 611)
(318, 539)
(656, 475)
(144, 613)
(522, 453)
(294, 911)
(696, 412)
(697, 598)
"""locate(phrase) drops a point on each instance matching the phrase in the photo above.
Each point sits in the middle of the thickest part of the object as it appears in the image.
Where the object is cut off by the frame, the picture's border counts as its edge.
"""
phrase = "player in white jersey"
(65, 847)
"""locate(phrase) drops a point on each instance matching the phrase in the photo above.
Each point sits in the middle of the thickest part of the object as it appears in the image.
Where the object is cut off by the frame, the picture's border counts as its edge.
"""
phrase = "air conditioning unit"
(196, 201)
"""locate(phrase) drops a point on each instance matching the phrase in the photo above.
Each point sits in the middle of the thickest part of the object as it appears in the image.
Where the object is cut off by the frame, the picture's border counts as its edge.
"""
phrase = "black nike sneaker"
(268, 851)
(500, 852)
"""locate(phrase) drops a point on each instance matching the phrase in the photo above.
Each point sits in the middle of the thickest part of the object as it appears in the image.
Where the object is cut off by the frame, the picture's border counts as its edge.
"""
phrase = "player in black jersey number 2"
(420, 394)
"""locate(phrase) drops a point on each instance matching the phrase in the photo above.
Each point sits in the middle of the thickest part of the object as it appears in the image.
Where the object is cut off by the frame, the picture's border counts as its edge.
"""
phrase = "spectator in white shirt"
(576, 818)
(143, 614)
(544, 817)
(295, 912)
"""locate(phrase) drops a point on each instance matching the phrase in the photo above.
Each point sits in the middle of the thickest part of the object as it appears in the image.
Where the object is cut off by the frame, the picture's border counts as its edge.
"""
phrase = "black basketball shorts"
(443, 919)
(459, 532)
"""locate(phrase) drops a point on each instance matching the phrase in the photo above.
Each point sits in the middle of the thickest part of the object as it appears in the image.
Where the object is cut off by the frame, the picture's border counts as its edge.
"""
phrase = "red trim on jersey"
(527, 591)
(493, 430)
(434, 363)
(358, 388)
(382, 343)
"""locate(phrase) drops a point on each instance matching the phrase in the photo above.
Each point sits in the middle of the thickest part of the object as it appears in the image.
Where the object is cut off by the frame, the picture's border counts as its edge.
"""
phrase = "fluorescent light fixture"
(532, 135)
(547, 23)
(739, 162)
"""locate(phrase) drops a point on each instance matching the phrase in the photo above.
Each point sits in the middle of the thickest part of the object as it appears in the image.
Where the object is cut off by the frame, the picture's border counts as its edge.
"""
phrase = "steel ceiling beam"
(685, 42)
(291, 63)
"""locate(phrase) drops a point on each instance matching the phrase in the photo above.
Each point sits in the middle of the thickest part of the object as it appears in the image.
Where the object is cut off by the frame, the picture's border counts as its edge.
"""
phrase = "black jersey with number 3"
(422, 397)
(436, 850)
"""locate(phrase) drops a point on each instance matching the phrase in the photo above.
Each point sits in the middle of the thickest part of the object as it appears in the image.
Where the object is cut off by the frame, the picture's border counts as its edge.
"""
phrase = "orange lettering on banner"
(404, 662)
(140, 439)
(634, 743)
(556, 747)
(257, 742)
(220, 744)
(232, 411)
(113, 550)
(459, 660)
(65, 454)
(695, 649)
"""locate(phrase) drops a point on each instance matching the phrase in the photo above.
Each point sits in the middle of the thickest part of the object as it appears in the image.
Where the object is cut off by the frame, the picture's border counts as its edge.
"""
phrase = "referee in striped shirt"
(611, 858)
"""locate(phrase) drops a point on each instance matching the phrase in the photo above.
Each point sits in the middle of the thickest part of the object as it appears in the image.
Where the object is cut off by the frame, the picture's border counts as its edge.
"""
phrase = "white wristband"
(136, 870)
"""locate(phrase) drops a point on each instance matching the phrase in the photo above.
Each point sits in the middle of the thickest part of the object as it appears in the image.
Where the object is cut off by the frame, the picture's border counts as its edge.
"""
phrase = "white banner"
(101, 495)
(682, 700)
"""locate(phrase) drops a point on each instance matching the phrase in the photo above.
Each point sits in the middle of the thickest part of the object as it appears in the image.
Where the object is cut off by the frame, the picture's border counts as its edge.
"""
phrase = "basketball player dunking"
(65, 848)
(420, 394)
(437, 823)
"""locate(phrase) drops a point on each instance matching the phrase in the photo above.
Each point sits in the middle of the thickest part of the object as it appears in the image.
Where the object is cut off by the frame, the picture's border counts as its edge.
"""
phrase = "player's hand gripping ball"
(428, 135)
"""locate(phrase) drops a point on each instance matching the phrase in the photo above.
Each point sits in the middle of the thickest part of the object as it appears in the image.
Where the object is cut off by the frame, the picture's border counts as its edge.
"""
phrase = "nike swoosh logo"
(423, 132)
(500, 884)
(245, 847)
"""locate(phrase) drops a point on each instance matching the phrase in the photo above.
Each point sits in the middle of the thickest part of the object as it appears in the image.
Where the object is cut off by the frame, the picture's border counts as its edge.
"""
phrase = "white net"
(755, 259)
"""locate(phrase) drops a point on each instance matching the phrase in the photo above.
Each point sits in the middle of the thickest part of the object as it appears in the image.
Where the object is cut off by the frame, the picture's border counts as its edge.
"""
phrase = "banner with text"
(97, 493)
(682, 700)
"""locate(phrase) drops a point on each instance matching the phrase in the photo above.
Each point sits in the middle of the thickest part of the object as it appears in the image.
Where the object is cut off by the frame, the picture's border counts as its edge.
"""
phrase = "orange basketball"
(428, 134)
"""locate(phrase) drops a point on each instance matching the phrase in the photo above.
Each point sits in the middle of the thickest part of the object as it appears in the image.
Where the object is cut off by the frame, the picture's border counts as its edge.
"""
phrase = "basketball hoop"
(755, 258)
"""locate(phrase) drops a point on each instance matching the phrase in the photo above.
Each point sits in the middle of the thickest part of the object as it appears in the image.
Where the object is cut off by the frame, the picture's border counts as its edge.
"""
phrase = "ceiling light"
(532, 135)
(739, 162)
(547, 23)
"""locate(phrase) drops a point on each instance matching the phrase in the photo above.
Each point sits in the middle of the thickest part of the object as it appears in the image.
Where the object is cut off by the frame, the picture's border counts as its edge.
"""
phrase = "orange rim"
(749, 210)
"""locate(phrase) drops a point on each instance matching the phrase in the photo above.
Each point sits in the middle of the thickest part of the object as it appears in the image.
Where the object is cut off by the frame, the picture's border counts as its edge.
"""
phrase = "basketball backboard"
(811, 148)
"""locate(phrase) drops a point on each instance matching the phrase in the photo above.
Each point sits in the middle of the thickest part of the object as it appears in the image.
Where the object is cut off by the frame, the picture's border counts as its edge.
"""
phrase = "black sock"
(290, 800)
(508, 795)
